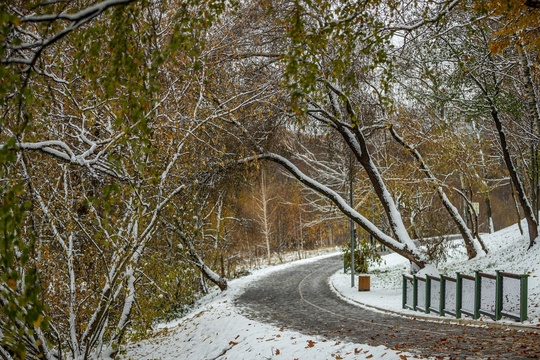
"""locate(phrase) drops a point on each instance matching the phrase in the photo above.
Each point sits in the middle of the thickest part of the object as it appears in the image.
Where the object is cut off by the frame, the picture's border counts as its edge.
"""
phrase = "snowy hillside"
(507, 252)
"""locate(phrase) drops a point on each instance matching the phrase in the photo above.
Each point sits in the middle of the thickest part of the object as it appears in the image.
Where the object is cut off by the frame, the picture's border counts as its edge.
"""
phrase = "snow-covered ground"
(507, 252)
(217, 330)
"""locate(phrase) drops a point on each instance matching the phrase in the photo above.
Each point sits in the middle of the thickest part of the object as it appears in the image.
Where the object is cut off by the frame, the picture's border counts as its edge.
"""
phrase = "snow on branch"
(37, 46)
(331, 195)
(447, 7)
(88, 13)
(473, 246)
(63, 151)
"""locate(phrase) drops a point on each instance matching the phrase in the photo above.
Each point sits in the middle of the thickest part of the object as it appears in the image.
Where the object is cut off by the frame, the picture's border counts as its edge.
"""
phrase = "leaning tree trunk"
(208, 273)
(516, 207)
(406, 249)
(528, 211)
(533, 109)
(532, 222)
(489, 212)
(356, 142)
(471, 244)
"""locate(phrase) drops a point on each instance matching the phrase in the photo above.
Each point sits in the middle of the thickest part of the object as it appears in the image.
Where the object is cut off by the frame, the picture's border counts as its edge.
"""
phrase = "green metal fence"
(502, 294)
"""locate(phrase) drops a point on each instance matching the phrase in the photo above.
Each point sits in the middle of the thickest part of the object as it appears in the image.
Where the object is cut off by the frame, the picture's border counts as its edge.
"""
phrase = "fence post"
(415, 292)
(523, 297)
(459, 285)
(404, 292)
(428, 294)
(498, 295)
(477, 294)
(442, 297)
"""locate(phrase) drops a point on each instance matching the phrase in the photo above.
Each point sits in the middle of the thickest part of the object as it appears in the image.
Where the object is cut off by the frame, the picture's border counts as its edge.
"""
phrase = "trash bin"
(364, 282)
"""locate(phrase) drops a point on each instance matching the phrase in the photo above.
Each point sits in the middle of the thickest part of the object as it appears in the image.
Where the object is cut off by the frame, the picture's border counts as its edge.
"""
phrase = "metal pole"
(442, 299)
(428, 294)
(351, 220)
(404, 293)
(371, 240)
(477, 294)
(459, 297)
(524, 293)
(498, 295)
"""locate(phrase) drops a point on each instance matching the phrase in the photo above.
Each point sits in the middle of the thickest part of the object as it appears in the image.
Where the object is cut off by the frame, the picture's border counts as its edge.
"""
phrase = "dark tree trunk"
(516, 181)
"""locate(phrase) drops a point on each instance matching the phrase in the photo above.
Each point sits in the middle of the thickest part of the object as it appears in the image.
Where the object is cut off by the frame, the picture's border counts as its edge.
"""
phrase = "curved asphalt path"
(299, 298)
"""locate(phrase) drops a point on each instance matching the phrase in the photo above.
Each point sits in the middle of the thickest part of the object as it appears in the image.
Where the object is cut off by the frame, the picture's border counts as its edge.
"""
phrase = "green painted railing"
(502, 294)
